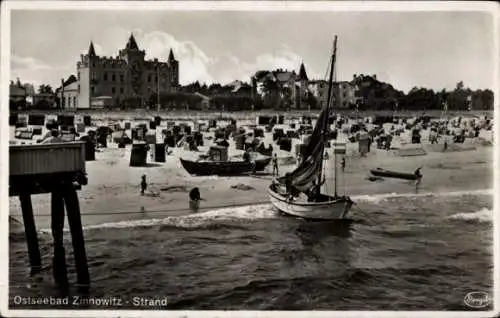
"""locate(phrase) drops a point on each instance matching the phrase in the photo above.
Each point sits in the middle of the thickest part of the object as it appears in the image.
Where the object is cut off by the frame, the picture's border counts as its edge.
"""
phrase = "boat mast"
(326, 119)
(334, 57)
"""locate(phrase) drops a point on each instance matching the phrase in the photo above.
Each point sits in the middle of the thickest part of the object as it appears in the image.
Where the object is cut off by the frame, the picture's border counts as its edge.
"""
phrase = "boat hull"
(228, 168)
(394, 174)
(336, 209)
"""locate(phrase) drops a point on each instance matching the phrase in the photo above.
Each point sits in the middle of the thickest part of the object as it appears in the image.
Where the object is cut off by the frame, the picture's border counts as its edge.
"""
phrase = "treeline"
(374, 95)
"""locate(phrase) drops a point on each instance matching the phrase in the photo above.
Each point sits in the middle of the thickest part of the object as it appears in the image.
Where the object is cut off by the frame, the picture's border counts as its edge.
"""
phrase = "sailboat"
(287, 193)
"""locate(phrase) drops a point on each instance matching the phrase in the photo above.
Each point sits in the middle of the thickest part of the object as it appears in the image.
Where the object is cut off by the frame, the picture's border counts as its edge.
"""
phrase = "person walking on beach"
(248, 158)
(275, 165)
(144, 184)
(419, 178)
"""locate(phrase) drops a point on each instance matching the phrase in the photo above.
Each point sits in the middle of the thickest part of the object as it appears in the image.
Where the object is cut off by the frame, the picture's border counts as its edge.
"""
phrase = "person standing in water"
(419, 178)
(144, 184)
(275, 165)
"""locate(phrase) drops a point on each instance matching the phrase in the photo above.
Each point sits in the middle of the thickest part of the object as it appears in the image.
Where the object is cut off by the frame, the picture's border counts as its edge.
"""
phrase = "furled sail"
(309, 170)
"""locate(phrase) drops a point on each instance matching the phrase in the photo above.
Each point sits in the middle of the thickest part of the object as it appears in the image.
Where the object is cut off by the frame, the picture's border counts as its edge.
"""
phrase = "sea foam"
(259, 211)
(483, 215)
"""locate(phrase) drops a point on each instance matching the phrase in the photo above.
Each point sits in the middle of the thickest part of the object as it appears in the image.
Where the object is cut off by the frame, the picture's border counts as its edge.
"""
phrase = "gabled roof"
(91, 49)
(302, 72)
(71, 86)
(171, 55)
(15, 90)
(43, 95)
(260, 74)
(284, 76)
(132, 44)
(71, 79)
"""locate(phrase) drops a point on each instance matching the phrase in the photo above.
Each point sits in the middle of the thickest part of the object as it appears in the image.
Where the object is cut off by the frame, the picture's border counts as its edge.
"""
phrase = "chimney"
(62, 93)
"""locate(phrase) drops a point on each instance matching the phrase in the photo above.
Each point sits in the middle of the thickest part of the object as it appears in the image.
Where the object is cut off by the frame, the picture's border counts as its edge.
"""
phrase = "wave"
(377, 198)
(198, 220)
(483, 215)
(250, 212)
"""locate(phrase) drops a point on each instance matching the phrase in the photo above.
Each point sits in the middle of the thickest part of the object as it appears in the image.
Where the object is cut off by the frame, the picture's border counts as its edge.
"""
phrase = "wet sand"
(113, 192)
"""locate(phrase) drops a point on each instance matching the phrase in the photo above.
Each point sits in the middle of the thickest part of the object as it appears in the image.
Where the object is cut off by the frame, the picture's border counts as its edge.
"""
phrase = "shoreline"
(113, 190)
(167, 194)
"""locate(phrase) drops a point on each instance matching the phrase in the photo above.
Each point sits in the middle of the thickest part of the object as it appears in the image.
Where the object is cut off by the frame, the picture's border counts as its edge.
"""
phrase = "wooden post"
(59, 268)
(75, 224)
(30, 232)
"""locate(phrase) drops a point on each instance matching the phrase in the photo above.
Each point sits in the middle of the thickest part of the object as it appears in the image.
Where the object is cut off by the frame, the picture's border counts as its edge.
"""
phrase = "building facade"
(290, 88)
(346, 94)
(344, 91)
(126, 76)
(319, 89)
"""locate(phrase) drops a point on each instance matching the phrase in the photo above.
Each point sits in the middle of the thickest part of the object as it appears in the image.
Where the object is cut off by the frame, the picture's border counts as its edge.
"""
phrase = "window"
(93, 76)
(93, 64)
(122, 78)
(149, 78)
(121, 90)
(113, 77)
(64, 102)
(78, 75)
(78, 87)
(113, 90)
(156, 79)
(92, 89)
(106, 76)
(74, 101)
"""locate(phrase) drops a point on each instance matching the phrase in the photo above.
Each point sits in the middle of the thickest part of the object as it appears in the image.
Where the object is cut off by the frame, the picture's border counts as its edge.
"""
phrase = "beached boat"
(379, 172)
(207, 167)
(286, 193)
(217, 163)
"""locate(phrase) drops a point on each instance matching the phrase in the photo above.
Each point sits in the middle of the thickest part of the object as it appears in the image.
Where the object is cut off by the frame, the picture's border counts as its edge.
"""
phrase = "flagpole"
(158, 89)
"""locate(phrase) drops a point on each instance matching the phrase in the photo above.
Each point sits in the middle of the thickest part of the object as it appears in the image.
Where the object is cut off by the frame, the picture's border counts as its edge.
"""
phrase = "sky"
(406, 49)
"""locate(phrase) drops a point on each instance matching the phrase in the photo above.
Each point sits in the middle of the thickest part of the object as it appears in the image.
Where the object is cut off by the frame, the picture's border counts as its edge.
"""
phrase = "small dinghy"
(379, 172)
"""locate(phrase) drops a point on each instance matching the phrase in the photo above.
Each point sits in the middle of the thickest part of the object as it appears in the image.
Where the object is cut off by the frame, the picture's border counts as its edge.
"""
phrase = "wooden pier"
(58, 169)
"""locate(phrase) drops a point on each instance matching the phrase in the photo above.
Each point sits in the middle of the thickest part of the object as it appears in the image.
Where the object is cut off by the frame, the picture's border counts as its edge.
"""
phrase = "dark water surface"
(402, 252)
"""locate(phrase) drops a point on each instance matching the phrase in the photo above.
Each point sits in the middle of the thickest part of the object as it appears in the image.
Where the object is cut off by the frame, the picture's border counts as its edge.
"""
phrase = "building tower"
(87, 76)
(174, 70)
(127, 79)
(135, 65)
(303, 82)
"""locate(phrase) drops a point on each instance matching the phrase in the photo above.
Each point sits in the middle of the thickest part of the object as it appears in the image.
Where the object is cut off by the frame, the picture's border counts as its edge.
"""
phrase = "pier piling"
(58, 169)
(30, 232)
(60, 271)
(75, 224)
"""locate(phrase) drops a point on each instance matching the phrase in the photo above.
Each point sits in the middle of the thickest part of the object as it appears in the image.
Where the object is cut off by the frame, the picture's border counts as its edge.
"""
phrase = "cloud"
(230, 68)
(37, 72)
(195, 64)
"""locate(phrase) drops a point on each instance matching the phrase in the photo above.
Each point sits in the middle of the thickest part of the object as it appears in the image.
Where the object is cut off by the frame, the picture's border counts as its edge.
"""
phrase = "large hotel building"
(105, 81)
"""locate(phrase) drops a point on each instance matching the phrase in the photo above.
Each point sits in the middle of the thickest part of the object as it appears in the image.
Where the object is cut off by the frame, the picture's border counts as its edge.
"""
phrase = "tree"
(45, 89)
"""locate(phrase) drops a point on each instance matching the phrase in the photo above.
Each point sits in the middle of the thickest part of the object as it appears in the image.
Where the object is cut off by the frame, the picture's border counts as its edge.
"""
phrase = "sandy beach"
(113, 191)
